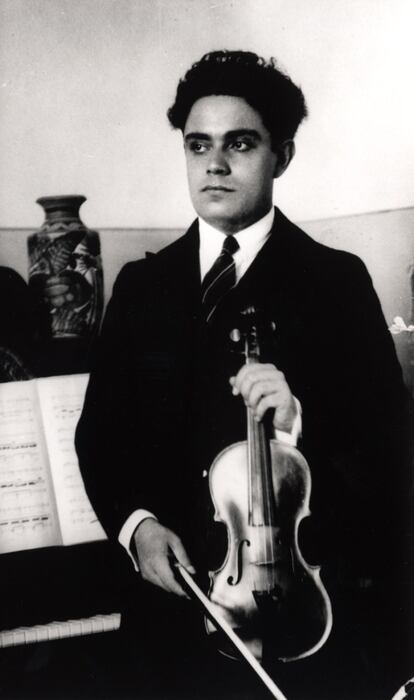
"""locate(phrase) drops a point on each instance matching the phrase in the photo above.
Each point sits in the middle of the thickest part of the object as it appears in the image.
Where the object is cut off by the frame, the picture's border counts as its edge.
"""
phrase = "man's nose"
(218, 163)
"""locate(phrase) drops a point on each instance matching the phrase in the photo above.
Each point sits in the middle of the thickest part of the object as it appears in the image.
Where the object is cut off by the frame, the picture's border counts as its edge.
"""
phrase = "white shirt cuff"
(294, 435)
(128, 529)
(131, 524)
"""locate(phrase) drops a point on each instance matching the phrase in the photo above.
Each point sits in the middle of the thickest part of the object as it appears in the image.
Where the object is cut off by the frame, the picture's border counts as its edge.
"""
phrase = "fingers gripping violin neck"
(260, 489)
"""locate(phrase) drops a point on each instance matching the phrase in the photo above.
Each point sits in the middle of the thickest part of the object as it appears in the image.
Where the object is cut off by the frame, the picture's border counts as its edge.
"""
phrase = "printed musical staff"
(42, 497)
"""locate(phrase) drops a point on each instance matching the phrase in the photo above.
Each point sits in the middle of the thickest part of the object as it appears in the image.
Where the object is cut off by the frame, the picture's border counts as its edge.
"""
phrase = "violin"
(260, 489)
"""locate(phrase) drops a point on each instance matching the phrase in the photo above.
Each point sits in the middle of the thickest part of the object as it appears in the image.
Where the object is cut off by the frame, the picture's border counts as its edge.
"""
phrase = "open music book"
(42, 497)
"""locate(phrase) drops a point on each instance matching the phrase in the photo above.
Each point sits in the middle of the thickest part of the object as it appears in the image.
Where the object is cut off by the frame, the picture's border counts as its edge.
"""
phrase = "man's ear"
(285, 152)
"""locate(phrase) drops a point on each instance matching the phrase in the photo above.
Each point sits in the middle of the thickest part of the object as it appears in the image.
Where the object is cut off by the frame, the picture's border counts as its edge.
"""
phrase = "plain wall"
(85, 85)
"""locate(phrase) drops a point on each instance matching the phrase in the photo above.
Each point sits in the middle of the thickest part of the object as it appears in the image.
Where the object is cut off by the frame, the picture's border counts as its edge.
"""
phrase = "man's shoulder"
(314, 257)
(154, 266)
(184, 244)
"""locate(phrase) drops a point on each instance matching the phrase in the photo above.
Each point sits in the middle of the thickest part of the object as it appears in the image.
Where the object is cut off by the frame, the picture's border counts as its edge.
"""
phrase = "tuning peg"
(235, 335)
(249, 311)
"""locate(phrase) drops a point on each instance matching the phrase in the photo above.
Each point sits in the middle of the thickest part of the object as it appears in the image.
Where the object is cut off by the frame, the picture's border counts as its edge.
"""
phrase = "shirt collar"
(250, 240)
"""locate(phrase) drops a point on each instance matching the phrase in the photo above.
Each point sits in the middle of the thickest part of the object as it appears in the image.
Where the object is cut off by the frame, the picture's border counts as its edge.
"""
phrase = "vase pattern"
(65, 270)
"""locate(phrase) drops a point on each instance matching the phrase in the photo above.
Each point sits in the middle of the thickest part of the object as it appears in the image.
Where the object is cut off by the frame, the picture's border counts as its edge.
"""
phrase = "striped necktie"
(220, 278)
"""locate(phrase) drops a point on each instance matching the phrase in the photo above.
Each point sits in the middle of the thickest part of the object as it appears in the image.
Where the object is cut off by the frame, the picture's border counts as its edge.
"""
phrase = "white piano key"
(60, 630)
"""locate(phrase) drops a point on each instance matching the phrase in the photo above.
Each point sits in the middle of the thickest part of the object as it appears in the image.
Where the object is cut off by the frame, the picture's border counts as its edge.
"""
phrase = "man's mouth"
(216, 188)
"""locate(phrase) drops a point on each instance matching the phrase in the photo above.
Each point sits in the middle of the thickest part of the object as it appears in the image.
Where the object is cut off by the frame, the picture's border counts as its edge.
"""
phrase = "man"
(168, 392)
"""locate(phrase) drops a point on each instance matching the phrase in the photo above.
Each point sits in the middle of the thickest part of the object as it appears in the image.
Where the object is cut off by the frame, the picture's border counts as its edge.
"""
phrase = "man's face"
(230, 163)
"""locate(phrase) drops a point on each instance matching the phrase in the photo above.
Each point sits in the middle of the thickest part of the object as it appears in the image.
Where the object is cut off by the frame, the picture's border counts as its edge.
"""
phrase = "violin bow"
(225, 627)
(405, 690)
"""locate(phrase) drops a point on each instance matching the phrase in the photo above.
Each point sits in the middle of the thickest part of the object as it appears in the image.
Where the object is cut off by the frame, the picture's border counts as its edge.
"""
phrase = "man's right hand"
(155, 544)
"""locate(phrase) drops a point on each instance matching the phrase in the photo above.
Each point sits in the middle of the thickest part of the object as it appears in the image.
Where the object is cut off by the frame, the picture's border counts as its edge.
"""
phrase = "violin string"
(265, 462)
(259, 462)
(269, 514)
(267, 466)
(263, 482)
(252, 496)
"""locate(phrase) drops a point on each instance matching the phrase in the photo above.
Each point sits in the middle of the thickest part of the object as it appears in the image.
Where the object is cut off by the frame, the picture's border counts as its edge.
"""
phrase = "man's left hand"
(264, 387)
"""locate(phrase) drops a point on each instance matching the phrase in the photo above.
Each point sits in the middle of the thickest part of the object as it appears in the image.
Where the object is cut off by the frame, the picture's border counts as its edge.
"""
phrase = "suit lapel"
(177, 274)
(275, 264)
(273, 282)
(179, 265)
(271, 271)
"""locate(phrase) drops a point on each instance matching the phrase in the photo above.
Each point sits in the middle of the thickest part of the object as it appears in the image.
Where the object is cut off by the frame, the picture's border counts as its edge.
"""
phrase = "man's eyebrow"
(237, 133)
(197, 135)
(234, 133)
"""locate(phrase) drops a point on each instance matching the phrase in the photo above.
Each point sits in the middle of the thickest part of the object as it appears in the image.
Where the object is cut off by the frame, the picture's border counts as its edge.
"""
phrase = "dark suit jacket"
(159, 407)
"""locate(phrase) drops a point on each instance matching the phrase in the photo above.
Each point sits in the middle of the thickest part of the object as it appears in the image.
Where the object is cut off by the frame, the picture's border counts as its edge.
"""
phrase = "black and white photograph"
(206, 350)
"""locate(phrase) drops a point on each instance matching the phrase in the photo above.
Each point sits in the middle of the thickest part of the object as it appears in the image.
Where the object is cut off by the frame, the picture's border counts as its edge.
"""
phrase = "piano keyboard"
(60, 630)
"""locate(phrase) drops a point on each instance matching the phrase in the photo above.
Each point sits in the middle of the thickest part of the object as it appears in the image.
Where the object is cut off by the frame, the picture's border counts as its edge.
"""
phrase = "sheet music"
(61, 400)
(28, 517)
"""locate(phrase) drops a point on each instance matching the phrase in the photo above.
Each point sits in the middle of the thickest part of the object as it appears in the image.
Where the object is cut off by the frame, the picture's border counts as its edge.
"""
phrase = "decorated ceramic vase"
(65, 270)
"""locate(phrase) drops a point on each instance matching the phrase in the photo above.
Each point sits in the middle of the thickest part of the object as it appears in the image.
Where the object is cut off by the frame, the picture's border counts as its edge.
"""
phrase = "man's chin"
(223, 222)
(217, 213)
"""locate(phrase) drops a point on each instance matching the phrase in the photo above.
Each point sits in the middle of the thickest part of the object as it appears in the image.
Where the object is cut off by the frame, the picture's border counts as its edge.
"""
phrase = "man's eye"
(240, 146)
(198, 147)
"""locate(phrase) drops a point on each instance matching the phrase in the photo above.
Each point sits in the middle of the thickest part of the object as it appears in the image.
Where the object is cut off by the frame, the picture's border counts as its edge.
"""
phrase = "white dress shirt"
(250, 240)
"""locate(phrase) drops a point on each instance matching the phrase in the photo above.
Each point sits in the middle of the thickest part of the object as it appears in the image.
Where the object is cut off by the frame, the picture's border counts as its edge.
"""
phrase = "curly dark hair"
(280, 103)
